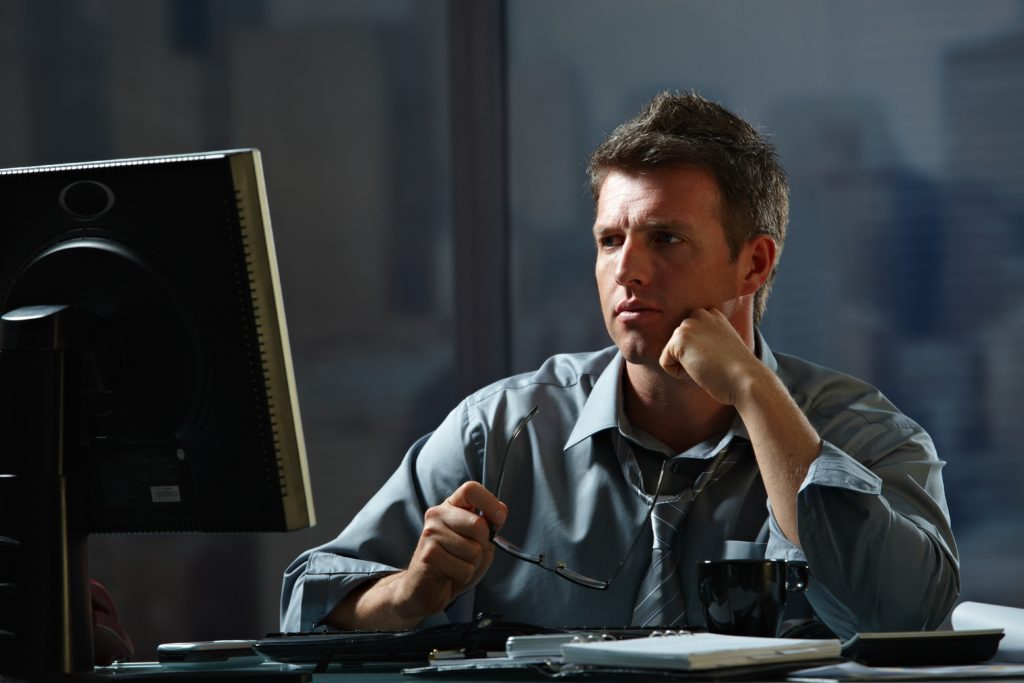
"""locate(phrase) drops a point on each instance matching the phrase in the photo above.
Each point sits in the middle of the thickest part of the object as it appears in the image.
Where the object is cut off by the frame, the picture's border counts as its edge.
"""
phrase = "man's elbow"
(924, 609)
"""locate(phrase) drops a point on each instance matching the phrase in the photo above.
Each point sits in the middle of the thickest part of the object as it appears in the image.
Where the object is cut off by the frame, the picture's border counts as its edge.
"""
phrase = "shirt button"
(676, 467)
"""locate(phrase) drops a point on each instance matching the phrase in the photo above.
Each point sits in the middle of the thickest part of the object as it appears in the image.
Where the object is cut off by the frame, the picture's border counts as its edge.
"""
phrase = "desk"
(153, 672)
(270, 672)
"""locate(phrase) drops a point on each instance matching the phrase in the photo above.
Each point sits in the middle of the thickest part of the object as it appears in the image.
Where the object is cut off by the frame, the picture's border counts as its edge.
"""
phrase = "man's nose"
(634, 266)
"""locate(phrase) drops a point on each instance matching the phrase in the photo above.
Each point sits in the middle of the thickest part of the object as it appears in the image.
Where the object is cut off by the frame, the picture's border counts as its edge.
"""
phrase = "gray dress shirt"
(872, 514)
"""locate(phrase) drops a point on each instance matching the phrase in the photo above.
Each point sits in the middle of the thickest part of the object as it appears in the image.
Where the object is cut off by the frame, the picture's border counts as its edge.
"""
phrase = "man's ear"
(758, 258)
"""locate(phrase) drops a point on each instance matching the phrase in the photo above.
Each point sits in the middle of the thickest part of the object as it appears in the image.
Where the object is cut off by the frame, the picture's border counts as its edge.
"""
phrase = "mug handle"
(797, 576)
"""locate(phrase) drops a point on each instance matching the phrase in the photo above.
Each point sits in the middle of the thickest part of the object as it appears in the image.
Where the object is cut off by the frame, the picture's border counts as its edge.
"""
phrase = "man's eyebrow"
(648, 225)
(664, 224)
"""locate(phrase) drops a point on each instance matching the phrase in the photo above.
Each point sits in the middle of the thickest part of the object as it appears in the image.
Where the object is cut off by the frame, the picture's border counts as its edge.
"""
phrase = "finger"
(454, 542)
(675, 369)
(453, 555)
(463, 523)
(433, 559)
(502, 514)
(474, 496)
(671, 356)
(668, 359)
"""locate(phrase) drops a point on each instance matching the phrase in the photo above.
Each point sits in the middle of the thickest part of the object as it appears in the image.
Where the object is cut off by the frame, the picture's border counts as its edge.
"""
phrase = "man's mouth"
(634, 308)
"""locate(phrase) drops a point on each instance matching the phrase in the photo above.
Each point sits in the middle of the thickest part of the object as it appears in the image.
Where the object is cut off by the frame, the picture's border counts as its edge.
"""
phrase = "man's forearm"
(783, 440)
(371, 606)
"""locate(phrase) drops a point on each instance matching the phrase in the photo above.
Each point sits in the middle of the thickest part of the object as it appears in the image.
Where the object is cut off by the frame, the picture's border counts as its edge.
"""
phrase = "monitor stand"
(48, 605)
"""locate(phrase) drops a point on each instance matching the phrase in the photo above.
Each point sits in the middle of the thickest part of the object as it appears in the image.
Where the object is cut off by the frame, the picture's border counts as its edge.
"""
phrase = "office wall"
(904, 264)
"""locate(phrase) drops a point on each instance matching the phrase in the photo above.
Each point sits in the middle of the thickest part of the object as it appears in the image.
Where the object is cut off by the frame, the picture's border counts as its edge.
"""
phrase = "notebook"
(699, 652)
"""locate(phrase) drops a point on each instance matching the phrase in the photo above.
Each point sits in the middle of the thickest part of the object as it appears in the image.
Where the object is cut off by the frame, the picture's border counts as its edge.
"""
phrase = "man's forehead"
(661, 175)
(658, 196)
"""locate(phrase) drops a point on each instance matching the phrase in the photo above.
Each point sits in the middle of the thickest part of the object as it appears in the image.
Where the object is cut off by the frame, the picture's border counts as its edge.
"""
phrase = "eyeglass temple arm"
(508, 446)
(650, 511)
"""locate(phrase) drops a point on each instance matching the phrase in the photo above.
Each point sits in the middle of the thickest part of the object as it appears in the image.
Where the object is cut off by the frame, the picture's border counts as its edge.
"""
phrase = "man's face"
(661, 253)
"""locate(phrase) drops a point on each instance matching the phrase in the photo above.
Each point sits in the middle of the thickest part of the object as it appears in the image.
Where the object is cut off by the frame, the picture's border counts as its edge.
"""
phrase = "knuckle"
(480, 526)
(429, 553)
(467, 489)
(466, 571)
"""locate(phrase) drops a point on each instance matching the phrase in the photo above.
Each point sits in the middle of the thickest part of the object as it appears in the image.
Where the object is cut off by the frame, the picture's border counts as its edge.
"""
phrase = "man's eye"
(608, 241)
(667, 237)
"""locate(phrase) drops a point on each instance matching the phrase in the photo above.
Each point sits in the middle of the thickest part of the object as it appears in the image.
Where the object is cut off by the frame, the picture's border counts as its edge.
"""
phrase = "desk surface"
(268, 672)
(152, 672)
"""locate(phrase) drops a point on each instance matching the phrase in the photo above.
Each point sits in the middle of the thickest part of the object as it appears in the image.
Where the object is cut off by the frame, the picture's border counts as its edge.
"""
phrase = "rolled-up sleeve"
(381, 538)
(317, 581)
(875, 532)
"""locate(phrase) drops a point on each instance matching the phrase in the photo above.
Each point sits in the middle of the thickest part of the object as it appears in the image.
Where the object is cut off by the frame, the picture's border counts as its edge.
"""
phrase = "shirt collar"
(600, 412)
(765, 353)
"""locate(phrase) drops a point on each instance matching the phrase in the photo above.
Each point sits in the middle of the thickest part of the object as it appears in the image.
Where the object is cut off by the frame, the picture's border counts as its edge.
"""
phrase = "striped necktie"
(659, 602)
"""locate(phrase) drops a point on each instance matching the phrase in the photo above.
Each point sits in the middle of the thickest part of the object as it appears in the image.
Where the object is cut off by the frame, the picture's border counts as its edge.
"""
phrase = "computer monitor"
(146, 382)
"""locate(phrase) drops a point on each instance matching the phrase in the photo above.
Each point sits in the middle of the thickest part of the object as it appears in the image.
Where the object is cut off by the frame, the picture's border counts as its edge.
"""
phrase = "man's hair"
(686, 130)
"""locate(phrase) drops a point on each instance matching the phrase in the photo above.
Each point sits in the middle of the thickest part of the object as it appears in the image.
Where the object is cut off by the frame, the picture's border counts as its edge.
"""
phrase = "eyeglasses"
(713, 472)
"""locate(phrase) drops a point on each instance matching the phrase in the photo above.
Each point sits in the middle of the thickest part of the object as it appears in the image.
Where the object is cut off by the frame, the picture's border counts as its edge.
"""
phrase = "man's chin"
(643, 355)
(640, 354)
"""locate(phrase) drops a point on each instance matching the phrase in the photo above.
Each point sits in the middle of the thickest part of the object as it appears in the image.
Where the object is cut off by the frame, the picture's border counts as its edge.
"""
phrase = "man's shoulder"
(564, 372)
(804, 376)
(831, 396)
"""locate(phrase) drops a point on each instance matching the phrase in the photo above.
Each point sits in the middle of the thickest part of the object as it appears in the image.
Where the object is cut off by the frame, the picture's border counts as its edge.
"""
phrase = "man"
(746, 453)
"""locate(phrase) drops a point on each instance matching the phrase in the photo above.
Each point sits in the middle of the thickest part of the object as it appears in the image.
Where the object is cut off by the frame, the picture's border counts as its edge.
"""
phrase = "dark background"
(425, 169)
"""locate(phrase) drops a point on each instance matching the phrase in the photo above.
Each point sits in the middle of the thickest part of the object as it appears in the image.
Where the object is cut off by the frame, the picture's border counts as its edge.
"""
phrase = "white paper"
(852, 671)
(544, 645)
(698, 651)
(975, 615)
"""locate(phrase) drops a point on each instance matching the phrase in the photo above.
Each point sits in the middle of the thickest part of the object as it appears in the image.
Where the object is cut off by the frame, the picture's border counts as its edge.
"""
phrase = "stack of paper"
(545, 645)
(978, 615)
(852, 671)
(699, 651)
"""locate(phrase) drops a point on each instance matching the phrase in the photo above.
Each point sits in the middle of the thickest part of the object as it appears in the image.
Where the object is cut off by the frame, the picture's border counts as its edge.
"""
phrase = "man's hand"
(453, 554)
(707, 349)
(454, 551)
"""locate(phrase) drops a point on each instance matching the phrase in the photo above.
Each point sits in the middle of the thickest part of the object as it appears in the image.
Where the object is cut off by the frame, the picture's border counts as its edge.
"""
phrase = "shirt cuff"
(835, 468)
(780, 547)
(832, 468)
(328, 579)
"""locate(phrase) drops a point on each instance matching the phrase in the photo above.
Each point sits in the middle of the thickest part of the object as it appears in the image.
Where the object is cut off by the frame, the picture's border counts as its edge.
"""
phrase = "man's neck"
(676, 412)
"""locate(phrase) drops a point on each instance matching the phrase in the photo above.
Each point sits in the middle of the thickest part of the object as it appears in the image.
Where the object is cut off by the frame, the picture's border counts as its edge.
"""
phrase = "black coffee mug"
(747, 597)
